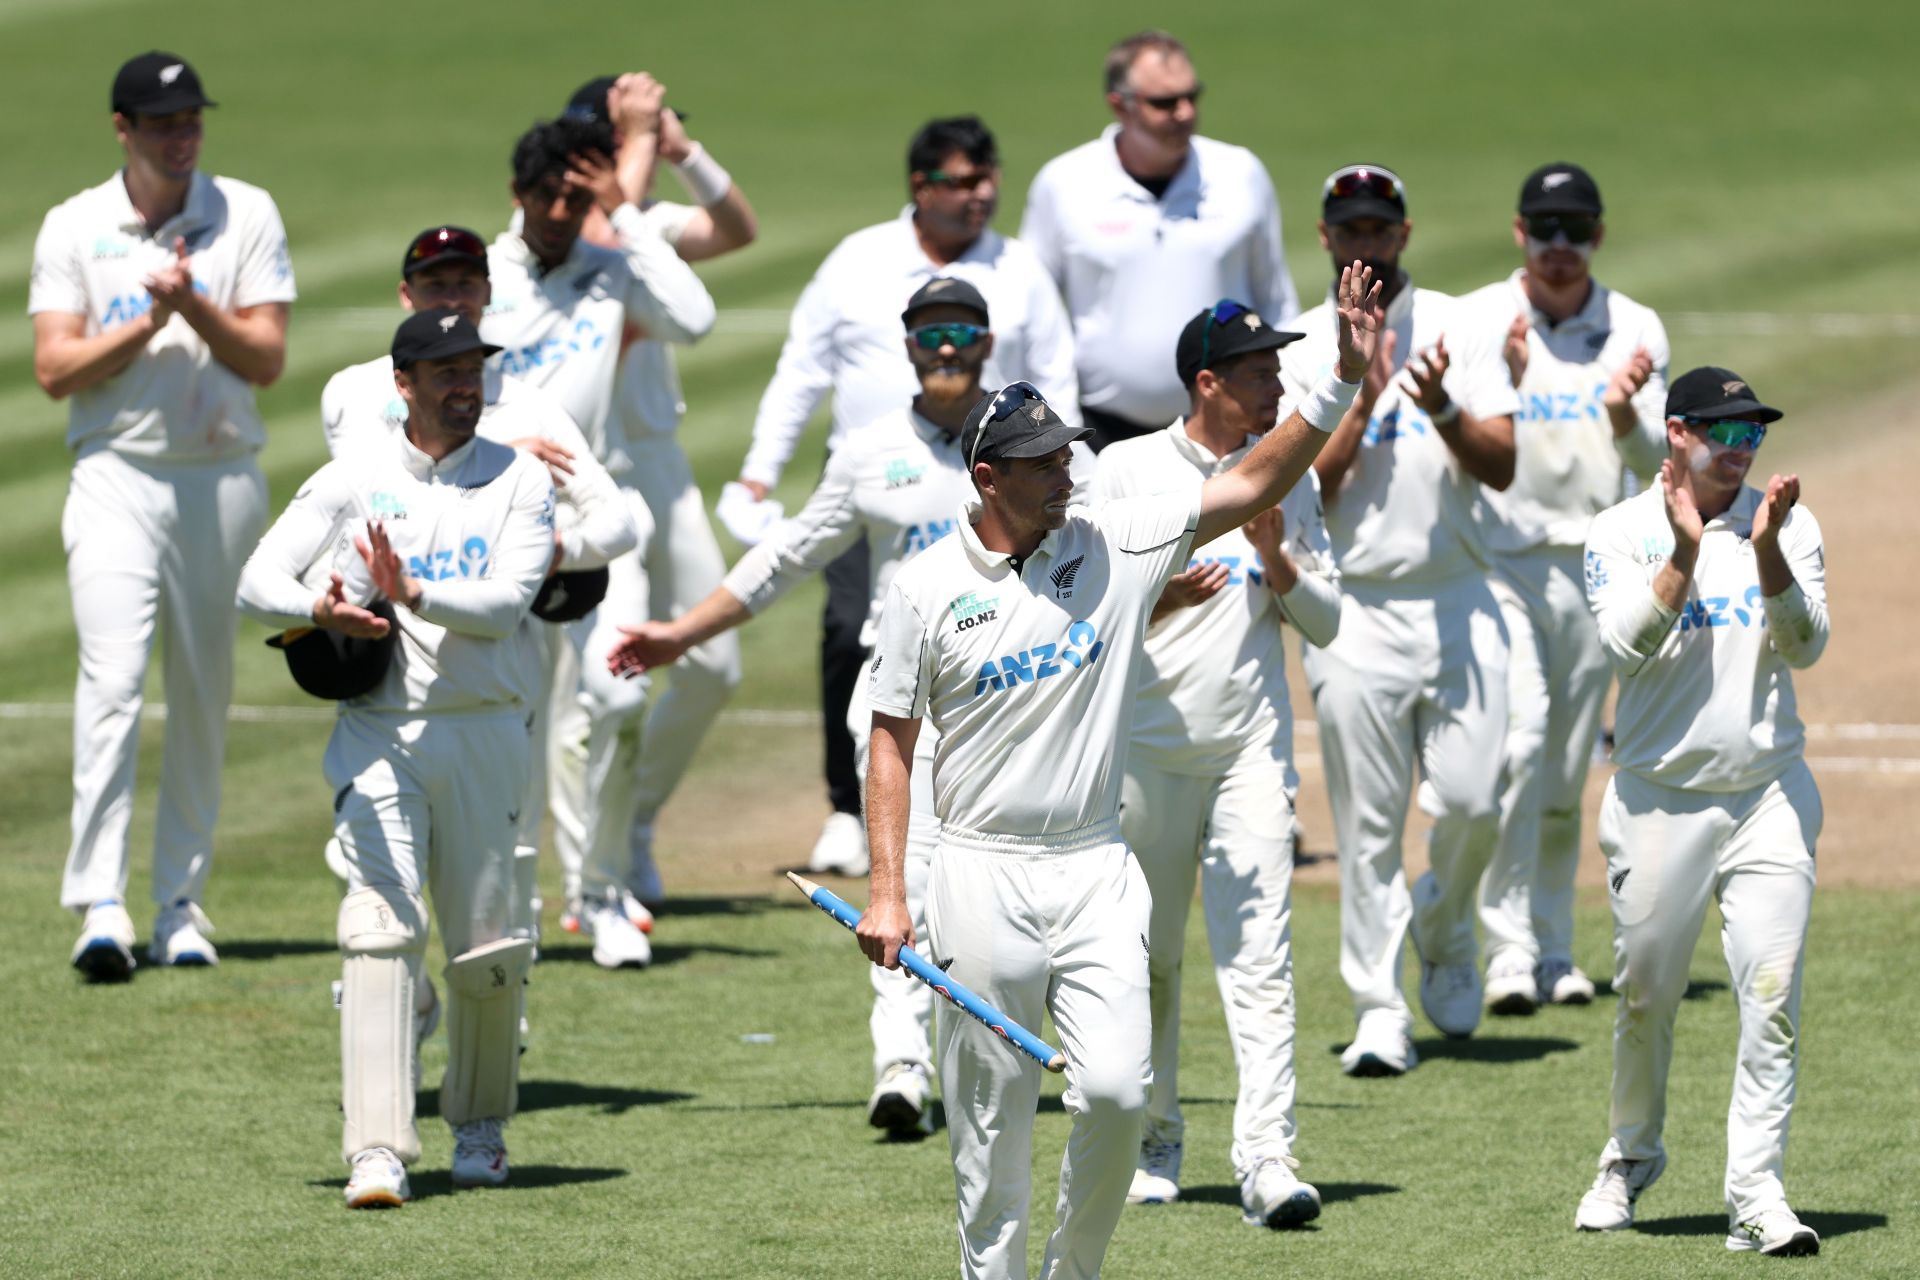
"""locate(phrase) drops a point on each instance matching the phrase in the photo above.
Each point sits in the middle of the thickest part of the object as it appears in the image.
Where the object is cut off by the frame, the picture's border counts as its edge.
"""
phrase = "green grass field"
(1756, 163)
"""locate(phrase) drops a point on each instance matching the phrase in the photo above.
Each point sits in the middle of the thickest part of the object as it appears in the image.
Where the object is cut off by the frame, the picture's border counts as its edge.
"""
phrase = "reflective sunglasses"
(445, 240)
(963, 181)
(1007, 401)
(932, 337)
(1734, 433)
(1168, 101)
(1224, 313)
(1579, 228)
(1364, 180)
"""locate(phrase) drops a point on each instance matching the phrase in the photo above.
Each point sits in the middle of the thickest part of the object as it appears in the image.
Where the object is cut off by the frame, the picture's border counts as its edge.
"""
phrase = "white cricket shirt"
(175, 401)
(1404, 514)
(1135, 269)
(845, 336)
(475, 529)
(1029, 675)
(360, 403)
(1568, 464)
(1213, 687)
(1706, 694)
(649, 397)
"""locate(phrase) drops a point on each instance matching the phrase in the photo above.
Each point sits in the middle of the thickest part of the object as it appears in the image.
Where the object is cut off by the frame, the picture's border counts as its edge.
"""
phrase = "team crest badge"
(1063, 577)
(447, 323)
(169, 74)
(1252, 321)
(1733, 388)
(1039, 412)
(1553, 180)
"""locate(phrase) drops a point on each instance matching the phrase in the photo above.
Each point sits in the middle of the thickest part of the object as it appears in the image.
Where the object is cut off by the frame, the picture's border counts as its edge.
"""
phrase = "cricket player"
(1019, 638)
(1147, 223)
(159, 302)
(1210, 781)
(1590, 367)
(844, 338)
(1709, 594)
(446, 266)
(561, 308)
(430, 766)
(1418, 674)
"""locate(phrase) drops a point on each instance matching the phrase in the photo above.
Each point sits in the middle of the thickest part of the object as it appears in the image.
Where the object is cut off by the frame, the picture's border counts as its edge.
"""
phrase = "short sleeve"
(900, 677)
(58, 285)
(1153, 533)
(265, 270)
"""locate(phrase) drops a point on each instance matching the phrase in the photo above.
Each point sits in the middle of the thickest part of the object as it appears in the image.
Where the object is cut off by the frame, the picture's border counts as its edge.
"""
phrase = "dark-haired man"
(159, 302)
(845, 338)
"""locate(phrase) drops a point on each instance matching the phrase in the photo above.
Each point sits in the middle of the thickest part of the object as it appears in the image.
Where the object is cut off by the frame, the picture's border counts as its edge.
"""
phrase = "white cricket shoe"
(180, 936)
(1156, 1179)
(479, 1154)
(901, 1101)
(1608, 1204)
(1775, 1233)
(1273, 1197)
(1561, 982)
(1510, 990)
(1381, 1047)
(842, 846)
(105, 949)
(378, 1181)
(617, 944)
(1450, 994)
(636, 911)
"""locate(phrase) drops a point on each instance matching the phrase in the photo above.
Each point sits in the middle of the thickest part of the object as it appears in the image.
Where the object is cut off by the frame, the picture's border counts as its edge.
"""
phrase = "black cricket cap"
(1712, 394)
(1560, 188)
(443, 244)
(1221, 332)
(1014, 422)
(945, 291)
(565, 597)
(1363, 191)
(330, 665)
(437, 334)
(157, 83)
(589, 101)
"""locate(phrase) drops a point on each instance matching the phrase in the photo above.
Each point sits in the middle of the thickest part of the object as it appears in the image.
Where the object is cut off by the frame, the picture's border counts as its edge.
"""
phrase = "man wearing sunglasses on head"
(1147, 223)
(1417, 677)
(1019, 640)
(844, 338)
(1590, 365)
(1709, 594)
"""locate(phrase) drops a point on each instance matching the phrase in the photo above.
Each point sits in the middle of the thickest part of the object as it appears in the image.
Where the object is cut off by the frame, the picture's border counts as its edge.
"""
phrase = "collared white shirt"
(1029, 674)
(475, 529)
(846, 336)
(1134, 269)
(1568, 464)
(564, 329)
(1213, 688)
(175, 401)
(1706, 693)
(360, 402)
(1404, 513)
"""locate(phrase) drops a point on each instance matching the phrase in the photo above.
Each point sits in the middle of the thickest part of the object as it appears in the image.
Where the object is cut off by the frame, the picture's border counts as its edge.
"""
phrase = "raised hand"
(675, 145)
(1771, 514)
(1628, 379)
(1427, 373)
(598, 174)
(559, 461)
(649, 645)
(1197, 585)
(1266, 529)
(1361, 317)
(1676, 488)
(335, 613)
(634, 103)
(1514, 349)
(385, 567)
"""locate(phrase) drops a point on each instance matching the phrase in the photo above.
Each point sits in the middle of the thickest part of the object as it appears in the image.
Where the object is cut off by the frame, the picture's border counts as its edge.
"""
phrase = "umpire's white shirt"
(1213, 688)
(1706, 693)
(175, 401)
(360, 404)
(475, 529)
(845, 336)
(1029, 674)
(1567, 465)
(1405, 511)
(1134, 269)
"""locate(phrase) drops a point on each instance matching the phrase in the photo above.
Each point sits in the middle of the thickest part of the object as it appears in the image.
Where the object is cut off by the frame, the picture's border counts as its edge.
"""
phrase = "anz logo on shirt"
(1401, 420)
(519, 362)
(1082, 649)
(1714, 611)
(127, 307)
(1561, 406)
(1236, 576)
(921, 536)
(441, 565)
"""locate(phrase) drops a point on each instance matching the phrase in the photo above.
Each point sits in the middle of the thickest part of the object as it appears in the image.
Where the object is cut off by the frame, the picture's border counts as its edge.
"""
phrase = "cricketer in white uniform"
(446, 266)
(1210, 780)
(1709, 594)
(1147, 223)
(429, 766)
(1418, 675)
(159, 302)
(1019, 638)
(844, 338)
(1590, 367)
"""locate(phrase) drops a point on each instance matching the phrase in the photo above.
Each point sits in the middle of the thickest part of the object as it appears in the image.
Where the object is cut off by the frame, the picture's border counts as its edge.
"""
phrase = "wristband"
(1447, 416)
(1327, 403)
(703, 177)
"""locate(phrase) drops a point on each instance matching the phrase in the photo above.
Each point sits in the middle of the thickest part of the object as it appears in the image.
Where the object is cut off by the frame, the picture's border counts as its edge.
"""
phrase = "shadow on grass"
(664, 953)
(427, 1183)
(1330, 1192)
(556, 1095)
(1493, 1048)
(1696, 990)
(675, 908)
(274, 948)
(1715, 1224)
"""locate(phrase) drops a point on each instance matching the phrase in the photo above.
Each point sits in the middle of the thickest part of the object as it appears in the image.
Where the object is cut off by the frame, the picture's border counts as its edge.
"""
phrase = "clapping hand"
(1361, 317)
(384, 565)
(1771, 514)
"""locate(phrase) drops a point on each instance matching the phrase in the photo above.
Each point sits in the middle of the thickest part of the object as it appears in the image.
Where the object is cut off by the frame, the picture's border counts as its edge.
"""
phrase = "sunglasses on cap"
(1168, 101)
(1006, 402)
(443, 241)
(1364, 180)
(1734, 433)
(1224, 313)
(1579, 228)
(932, 337)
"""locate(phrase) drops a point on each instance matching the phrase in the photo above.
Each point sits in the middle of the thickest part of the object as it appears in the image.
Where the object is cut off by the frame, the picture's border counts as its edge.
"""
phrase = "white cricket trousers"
(153, 549)
(1670, 852)
(1236, 833)
(1411, 681)
(1557, 677)
(1037, 928)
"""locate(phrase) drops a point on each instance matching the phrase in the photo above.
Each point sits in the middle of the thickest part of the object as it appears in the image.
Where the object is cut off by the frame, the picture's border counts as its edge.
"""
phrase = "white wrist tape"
(703, 177)
(1327, 403)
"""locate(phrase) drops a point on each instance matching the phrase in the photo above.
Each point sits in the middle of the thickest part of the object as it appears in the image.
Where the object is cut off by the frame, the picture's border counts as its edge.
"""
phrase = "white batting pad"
(383, 935)
(485, 993)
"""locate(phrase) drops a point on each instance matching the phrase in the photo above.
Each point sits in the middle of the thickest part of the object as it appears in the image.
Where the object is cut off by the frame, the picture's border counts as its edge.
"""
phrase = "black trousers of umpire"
(842, 661)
